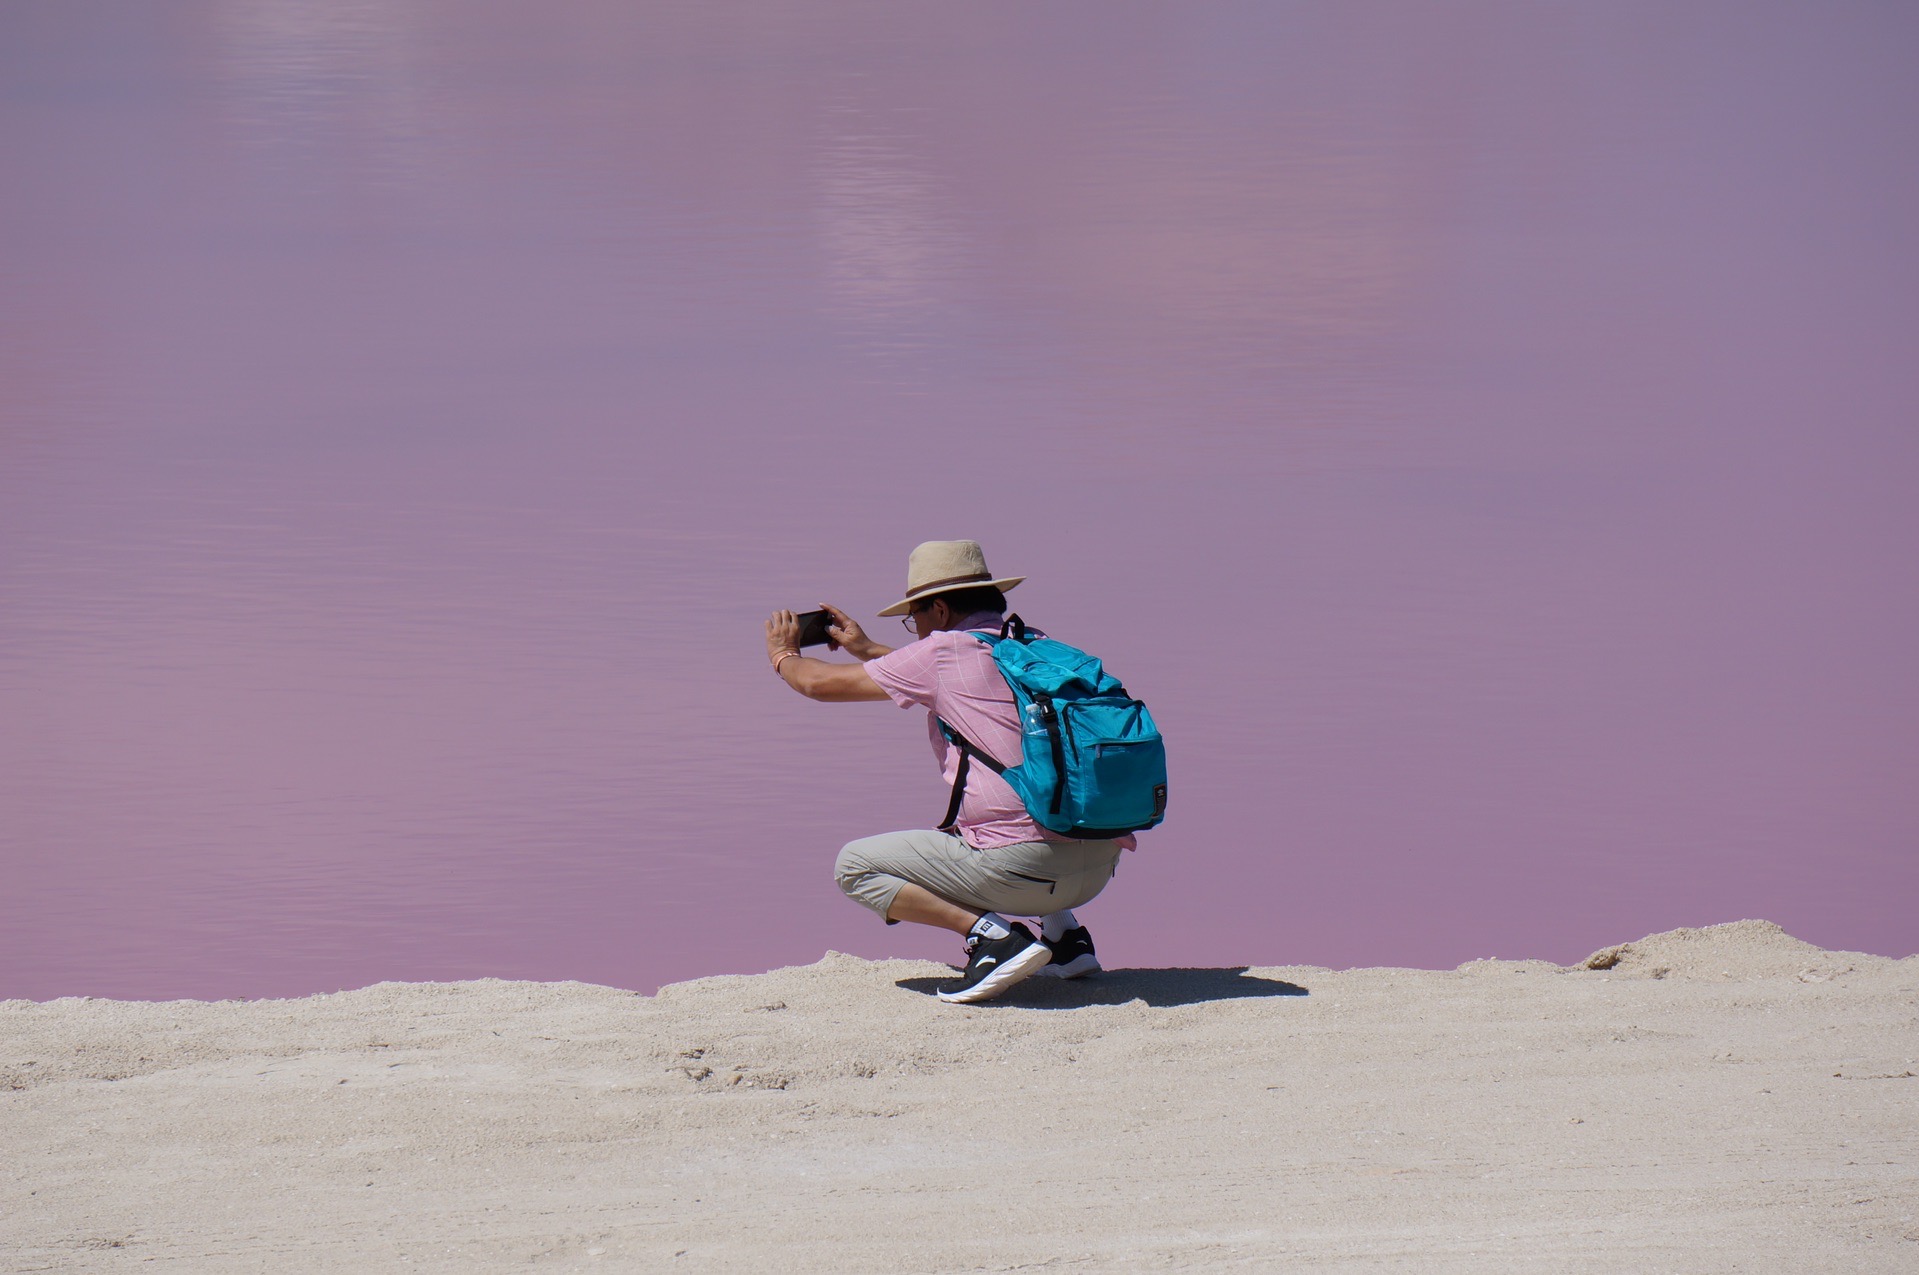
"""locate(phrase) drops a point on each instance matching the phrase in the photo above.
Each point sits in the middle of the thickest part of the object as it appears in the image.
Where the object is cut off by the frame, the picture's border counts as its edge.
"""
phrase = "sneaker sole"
(1079, 967)
(1013, 971)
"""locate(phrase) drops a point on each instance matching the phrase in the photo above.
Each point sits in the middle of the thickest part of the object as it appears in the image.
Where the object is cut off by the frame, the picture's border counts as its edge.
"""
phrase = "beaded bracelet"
(784, 656)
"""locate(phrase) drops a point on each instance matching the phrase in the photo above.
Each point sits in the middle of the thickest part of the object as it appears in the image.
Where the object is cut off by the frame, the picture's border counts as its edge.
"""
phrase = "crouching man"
(994, 861)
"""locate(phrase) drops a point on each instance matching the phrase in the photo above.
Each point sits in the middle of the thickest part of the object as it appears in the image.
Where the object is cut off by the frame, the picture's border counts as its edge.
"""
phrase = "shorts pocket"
(1050, 884)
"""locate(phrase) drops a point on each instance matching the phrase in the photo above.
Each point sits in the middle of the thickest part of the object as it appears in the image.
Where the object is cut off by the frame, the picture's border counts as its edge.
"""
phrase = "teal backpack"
(1094, 765)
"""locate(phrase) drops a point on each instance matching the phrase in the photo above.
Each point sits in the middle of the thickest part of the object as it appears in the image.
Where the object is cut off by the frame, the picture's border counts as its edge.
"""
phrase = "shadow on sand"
(1161, 989)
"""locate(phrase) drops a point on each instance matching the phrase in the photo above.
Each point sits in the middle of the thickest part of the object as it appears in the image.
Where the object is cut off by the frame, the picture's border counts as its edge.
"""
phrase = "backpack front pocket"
(1128, 780)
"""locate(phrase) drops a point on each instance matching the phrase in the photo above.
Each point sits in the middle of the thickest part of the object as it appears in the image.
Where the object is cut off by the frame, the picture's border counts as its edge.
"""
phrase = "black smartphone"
(813, 627)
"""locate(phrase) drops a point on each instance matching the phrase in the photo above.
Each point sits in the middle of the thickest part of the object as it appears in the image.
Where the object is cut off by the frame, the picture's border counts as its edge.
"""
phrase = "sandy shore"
(1726, 1099)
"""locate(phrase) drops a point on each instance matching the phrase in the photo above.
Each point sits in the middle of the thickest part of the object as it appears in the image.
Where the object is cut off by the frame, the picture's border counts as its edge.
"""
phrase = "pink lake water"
(1484, 433)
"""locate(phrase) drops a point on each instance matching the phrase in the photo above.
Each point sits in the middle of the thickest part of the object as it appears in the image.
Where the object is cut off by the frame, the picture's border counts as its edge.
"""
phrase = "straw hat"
(941, 566)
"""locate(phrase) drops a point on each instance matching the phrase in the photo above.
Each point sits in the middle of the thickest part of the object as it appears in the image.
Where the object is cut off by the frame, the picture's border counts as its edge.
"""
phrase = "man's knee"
(861, 873)
(853, 865)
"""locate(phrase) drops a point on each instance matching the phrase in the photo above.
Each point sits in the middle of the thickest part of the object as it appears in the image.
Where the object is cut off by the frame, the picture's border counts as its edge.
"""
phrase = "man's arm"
(831, 683)
(819, 679)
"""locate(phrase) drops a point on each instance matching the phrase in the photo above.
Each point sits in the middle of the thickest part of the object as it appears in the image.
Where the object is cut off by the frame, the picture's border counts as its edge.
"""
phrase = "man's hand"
(846, 634)
(782, 634)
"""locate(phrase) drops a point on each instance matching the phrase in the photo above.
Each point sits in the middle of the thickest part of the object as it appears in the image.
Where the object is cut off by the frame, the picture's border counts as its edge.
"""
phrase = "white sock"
(1054, 925)
(991, 925)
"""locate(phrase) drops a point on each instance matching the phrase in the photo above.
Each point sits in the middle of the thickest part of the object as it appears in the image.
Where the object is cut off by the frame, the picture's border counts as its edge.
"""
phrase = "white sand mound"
(1728, 1116)
(1737, 949)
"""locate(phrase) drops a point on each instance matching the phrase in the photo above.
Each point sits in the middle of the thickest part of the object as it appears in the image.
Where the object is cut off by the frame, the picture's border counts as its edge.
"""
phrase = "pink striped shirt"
(953, 676)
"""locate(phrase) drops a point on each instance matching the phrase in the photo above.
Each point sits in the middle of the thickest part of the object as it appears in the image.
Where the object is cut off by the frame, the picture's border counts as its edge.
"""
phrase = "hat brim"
(905, 604)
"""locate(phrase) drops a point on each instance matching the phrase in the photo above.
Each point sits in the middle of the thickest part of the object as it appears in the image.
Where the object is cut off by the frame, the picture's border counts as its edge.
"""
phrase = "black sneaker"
(993, 965)
(1072, 956)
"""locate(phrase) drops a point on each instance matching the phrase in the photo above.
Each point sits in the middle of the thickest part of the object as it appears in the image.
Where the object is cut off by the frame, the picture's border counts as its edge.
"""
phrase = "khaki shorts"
(1032, 878)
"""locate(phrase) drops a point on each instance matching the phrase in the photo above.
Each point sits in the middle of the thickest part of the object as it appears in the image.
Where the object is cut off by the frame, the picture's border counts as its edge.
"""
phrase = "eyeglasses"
(913, 613)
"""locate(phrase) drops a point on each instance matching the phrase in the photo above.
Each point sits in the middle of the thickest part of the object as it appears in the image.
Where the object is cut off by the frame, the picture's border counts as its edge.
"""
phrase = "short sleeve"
(909, 675)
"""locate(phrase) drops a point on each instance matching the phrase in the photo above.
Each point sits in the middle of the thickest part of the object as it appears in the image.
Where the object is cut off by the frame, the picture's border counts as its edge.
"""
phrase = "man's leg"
(920, 905)
(922, 876)
(1080, 871)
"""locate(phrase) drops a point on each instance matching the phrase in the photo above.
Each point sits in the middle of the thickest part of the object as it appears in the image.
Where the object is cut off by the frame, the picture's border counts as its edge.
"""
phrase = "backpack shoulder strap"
(968, 751)
(1012, 627)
